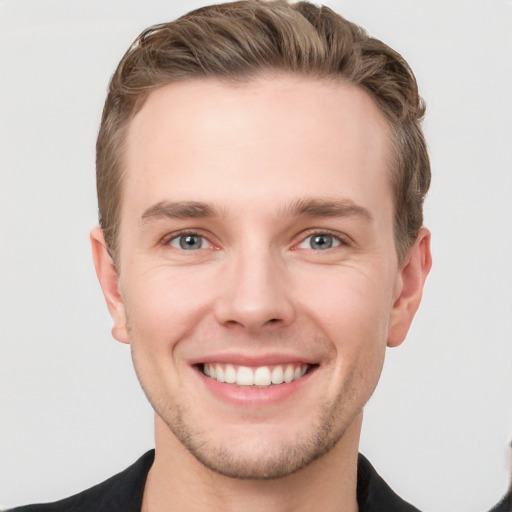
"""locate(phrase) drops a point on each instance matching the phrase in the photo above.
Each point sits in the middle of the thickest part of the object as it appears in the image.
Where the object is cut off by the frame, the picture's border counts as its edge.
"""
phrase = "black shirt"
(123, 492)
(505, 505)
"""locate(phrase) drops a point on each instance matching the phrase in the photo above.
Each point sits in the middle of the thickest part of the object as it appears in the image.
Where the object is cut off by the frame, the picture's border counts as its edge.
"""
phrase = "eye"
(188, 242)
(320, 242)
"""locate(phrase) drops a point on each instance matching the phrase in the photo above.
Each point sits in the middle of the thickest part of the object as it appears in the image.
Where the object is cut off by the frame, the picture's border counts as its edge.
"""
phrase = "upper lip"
(254, 360)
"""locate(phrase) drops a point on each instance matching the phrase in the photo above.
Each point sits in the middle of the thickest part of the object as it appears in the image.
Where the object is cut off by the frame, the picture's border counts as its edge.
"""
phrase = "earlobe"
(109, 281)
(412, 278)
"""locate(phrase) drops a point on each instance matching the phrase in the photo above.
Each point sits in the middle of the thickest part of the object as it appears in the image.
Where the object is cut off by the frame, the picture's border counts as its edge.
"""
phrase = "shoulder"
(374, 494)
(121, 492)
(505, 505)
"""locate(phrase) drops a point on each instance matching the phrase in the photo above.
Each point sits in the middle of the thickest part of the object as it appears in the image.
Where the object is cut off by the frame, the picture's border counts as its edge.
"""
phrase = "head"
(235, 42)
(261, 171)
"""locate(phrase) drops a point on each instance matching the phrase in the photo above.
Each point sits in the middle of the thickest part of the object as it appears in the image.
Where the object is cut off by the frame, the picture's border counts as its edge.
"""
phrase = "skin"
(273, 163)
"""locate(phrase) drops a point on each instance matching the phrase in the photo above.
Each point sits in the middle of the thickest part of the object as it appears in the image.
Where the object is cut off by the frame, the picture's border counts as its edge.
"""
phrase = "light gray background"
(71, 410)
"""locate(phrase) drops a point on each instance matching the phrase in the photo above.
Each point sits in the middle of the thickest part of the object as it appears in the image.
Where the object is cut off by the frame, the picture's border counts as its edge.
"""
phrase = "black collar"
(374, 494)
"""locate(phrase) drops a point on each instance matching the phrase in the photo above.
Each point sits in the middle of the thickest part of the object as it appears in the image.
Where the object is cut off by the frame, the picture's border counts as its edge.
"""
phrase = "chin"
(254, 452)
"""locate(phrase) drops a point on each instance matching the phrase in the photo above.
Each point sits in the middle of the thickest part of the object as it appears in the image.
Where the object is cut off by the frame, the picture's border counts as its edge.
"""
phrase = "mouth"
(260, 376)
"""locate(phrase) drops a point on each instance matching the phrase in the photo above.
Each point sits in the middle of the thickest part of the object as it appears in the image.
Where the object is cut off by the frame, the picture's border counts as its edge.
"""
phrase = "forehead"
(280, 136)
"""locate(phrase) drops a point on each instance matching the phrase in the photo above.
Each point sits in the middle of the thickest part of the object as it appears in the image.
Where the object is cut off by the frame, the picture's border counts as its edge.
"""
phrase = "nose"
(254, 293)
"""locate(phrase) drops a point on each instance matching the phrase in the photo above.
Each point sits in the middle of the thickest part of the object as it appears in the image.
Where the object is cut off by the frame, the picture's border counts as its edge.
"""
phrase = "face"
(258, 281)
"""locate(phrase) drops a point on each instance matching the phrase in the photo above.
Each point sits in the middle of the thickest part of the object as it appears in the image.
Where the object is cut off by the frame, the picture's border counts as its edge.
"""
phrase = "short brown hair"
(236, 41)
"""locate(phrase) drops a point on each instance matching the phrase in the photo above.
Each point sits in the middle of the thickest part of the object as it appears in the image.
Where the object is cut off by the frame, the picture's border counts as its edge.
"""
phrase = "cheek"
(162, 308)
(164, 305)
(352, 306)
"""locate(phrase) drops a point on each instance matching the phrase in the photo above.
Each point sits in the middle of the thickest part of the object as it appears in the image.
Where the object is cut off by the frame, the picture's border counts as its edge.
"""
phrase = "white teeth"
(244, 376)
(230, 374)
(277, 375)
(220, 373)
(289, 373)
(260, 376)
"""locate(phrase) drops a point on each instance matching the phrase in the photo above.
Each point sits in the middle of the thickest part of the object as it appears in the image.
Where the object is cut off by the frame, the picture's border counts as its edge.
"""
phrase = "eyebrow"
(312, 207)
(179, 210)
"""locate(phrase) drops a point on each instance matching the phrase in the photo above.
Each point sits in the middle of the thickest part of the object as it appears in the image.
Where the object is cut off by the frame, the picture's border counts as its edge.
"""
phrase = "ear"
(109, 282)
(409, 289)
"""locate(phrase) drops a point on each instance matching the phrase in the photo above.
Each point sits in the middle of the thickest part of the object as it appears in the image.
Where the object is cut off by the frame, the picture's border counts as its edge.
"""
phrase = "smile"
(255, 376)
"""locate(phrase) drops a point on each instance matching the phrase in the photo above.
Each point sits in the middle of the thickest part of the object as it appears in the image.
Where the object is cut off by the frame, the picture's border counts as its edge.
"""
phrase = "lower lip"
(253, 395)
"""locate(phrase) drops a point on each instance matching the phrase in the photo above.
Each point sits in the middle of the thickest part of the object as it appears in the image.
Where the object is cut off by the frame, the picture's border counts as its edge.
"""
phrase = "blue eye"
(188, 242)
(319, 242)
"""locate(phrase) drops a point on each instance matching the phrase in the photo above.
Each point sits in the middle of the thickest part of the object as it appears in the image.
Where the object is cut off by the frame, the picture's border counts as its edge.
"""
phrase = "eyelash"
(341, 240)
(166, 241)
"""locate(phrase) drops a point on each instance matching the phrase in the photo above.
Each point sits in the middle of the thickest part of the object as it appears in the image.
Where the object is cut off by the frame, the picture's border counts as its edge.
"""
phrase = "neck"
(178, 480)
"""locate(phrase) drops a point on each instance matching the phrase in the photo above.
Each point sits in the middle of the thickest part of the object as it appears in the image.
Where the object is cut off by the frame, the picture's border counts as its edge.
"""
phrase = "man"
(261, 172)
